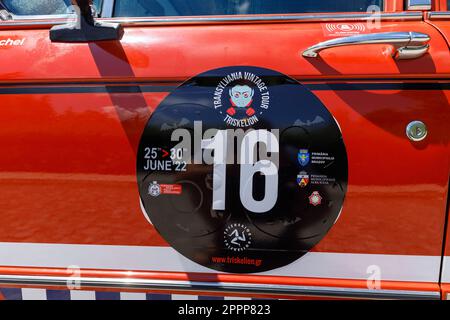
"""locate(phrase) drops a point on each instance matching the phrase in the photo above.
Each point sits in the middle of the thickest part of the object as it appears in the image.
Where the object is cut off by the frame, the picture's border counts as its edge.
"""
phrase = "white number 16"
(248, 169)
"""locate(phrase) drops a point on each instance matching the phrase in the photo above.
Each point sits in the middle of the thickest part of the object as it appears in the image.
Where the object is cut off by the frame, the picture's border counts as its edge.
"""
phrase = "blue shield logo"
(303, 157)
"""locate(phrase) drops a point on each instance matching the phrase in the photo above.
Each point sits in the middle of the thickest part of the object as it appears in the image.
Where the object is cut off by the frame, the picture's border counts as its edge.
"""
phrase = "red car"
(246, 149)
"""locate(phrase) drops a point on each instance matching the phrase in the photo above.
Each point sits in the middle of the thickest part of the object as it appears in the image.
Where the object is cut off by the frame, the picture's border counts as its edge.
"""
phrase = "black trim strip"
(141, 87)
(378, 86)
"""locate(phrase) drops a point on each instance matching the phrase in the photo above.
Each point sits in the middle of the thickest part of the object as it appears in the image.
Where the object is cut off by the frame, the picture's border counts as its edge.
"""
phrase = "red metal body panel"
(444, 27)
(75, 152)
(223, 278)
(68, 161)
(166, 53)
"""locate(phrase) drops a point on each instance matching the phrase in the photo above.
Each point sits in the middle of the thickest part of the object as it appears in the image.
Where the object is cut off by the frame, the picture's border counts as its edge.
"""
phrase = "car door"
(347, 198)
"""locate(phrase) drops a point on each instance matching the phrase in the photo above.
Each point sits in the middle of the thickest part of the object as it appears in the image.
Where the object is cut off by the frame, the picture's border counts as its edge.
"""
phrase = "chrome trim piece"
(49, 17)
(407, 45)
(108, 8)
(283, 18)
(418, 4)
(52, 20)
(439, 15)
(219, 287)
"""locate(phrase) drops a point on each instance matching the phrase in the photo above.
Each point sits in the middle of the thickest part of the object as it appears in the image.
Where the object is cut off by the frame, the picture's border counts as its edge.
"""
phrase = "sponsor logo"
(241, 98)
(12, 42)
(315, 199)
(303, 157)
(344, 29)
(303, 179)
(237, 237)
(156, 189)
(171, 189)
(322, 158)
(322, 179)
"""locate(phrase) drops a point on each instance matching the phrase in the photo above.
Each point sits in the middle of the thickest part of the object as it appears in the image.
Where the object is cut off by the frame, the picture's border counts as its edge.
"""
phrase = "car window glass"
(40, 7)
(136, 8)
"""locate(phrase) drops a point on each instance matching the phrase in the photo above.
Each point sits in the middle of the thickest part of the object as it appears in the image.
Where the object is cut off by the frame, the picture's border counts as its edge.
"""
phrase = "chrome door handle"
(407, 45)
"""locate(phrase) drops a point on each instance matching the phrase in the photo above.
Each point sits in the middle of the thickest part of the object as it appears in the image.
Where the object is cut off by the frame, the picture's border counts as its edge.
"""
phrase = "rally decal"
(344, 29)
(242, 169)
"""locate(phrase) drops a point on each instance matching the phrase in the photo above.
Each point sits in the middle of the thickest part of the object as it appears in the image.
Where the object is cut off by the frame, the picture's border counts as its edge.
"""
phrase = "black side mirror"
(85, 29)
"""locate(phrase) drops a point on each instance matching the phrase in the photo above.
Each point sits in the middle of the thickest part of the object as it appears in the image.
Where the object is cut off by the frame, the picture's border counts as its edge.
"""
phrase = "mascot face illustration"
(241, 96)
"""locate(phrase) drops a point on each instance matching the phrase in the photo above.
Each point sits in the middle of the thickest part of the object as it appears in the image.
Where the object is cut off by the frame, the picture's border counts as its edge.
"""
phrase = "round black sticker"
(242, 169)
